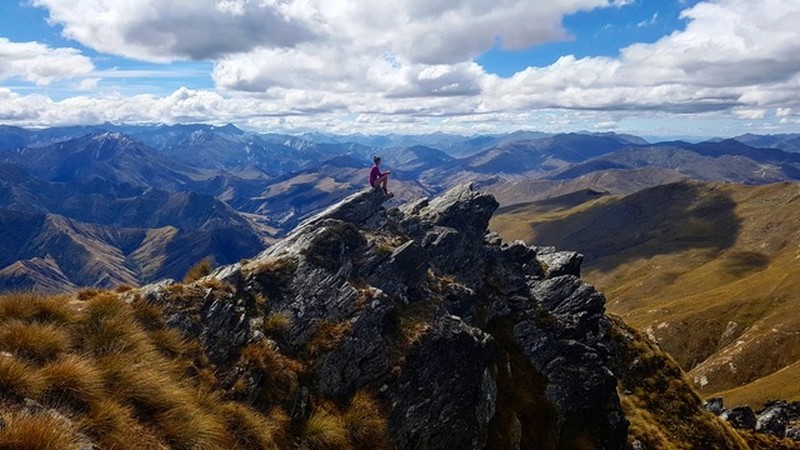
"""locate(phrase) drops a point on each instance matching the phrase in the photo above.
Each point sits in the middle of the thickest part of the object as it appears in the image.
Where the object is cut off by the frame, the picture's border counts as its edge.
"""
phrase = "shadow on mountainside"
(662, 220)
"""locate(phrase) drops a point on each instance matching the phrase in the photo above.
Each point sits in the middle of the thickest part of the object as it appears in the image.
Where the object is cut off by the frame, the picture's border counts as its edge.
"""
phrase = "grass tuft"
(249, 429)
(280, 373)
(277, 322)
(18, 380)
(35, 307)
(34, 341)
(327, 336)
(74, 381)
(365, 423)
(325, 430)
(40, 432)
(198, 271)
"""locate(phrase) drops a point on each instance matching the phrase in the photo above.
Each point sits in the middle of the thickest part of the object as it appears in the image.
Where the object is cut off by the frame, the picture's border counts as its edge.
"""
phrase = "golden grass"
(327, 336)
(73, 381)
(35, 307)
(198, 271)
(280, 372)
(325, 430)
(187, 426)
(663, 409)
(277, 321)
(687, 293)
(88, 293)
(34, 341)
(365, 423)
(39, 432)
(19, 380)
(169, 342)
(126, 380)
(251, 430)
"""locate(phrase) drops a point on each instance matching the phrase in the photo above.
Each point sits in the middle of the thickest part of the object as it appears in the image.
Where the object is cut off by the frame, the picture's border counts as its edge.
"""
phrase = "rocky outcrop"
(778, 418)
(423, 308)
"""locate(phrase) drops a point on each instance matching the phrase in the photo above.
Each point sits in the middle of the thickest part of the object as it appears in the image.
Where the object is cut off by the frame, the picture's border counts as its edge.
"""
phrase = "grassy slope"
(709, 270)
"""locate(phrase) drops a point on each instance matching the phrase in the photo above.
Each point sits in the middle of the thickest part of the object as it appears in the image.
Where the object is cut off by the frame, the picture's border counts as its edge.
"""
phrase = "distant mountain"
(712, 161)
(543, 155)
(52, 252)
(786, 142)
(708, 270)
(287, 201)
(111, 157)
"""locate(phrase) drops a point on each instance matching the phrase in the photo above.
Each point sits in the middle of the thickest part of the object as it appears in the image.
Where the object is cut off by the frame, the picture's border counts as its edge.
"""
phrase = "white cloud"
(160, 31)
(410, 63)
(39, 63)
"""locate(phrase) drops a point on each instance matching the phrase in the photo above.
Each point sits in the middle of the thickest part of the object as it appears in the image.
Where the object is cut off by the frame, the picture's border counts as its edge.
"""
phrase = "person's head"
(376, 159)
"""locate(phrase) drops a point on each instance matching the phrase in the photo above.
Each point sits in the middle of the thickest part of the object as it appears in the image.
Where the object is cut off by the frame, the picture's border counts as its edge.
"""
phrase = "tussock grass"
(35, 307)
(150, 316)
(88, 293)
(169, 341)
(327, 336)
(280, 373)
(277, 322)
(365, 423)
(251, 430)
(187, 426)
(74, 381)
(39, 432)
(198, 271)
(125, 380)
(325, 430)
(19, 380)
(34, 341)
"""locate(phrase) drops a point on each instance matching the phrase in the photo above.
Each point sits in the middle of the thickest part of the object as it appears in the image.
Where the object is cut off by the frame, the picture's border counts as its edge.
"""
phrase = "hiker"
(379, 179)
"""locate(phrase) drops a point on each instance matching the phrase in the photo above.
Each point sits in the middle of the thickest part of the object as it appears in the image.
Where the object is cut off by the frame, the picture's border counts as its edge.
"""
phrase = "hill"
(708, 270)
(365, 328)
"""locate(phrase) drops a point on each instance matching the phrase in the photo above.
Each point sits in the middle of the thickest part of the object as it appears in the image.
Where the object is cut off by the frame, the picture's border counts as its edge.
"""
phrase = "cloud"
(39, 63)
(161, 31)
(354, 63)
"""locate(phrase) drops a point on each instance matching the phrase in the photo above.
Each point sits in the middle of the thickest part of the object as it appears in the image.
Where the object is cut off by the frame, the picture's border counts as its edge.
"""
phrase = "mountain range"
(198, 191)
(707, 270)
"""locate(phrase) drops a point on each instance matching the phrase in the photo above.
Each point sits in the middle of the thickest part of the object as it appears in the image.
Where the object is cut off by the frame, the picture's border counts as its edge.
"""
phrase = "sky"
(656, 68)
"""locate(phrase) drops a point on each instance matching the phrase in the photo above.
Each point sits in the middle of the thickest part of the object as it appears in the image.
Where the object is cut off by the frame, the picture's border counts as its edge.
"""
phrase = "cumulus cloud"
(39, 63)
(157, 30)
(407, 62)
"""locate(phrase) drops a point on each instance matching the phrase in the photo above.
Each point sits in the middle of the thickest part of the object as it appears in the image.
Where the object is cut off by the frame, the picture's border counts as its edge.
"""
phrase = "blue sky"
(656, 68)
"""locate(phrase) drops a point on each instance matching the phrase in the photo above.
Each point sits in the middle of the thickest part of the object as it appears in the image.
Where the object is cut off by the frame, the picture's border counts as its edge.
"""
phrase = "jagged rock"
(363, 355)
(451, 228)
(431, 406)
(356, 208)
(566, 346)
(773, 419)
(740, 417)
(225, 325)
(714, 405)
(561, 263)
(361, 270)
(793, 433)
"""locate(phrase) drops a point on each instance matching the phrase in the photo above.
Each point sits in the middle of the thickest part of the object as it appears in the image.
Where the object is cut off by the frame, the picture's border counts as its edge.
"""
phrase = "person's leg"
(384, 183)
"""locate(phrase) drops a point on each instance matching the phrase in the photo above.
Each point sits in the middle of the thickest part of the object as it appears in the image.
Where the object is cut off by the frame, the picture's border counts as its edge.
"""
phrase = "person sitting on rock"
(378, 179)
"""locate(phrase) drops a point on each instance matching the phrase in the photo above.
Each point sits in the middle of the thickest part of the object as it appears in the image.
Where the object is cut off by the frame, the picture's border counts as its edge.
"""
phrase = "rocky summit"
(365, 328)
(468, 342)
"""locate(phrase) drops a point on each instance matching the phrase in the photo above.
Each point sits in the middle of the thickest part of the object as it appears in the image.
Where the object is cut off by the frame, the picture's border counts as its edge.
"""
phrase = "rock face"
(778, 418)
(466, 341)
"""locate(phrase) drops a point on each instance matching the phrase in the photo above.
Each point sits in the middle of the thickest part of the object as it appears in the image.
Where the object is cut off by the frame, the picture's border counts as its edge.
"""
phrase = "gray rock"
(362, 357)
(714, 405)
(431, 406)
(793, 432)
(740, 417)
(773, 419)
(561, 263)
